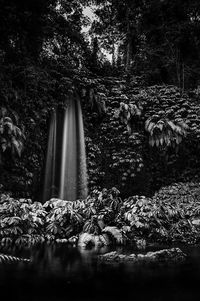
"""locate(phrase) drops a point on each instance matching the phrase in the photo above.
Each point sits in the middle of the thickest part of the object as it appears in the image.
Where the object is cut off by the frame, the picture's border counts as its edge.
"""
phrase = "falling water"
(49, 179)
(66, 171)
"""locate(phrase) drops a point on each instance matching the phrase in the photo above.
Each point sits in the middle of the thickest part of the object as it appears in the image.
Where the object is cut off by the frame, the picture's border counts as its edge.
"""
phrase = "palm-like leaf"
(164, 132)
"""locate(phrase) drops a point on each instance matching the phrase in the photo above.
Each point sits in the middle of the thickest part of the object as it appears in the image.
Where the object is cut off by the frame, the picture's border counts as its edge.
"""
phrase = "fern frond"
(165, 132)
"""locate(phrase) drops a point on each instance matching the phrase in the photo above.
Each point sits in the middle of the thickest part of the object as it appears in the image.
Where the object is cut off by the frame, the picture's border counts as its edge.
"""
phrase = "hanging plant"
(97, 101)
(11, 136)
(164, 132)
(127, 113)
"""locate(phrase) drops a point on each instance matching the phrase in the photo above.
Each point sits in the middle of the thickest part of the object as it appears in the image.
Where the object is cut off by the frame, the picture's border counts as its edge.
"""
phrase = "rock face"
(173, 255)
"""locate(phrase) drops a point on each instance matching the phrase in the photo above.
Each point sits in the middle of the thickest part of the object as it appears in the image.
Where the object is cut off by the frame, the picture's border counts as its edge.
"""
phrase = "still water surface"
(60, 272)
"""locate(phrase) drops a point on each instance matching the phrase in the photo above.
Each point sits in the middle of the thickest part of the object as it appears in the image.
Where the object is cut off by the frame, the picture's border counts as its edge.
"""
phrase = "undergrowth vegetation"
(171, 215)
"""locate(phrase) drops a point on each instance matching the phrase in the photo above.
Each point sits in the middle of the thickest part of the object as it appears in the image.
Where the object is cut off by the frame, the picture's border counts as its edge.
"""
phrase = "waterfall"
(50, 169)
(66, 170)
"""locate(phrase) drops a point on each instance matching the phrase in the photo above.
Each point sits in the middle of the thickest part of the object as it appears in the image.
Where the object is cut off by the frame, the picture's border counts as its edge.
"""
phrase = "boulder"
(173, 255)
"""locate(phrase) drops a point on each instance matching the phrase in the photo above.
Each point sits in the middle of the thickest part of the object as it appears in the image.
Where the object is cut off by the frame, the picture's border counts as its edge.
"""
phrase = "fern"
(64, 218)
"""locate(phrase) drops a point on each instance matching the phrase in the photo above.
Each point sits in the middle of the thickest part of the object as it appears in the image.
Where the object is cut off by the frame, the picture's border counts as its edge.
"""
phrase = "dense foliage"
(44, 52)
(146, 134)
(156, 39)
(137, 73)
(172, 215)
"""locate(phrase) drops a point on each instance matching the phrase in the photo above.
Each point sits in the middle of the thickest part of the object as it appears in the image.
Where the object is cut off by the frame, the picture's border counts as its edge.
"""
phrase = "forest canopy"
(158, 39)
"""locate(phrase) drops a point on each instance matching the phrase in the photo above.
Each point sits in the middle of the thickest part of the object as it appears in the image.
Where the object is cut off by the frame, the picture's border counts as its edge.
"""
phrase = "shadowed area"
(61, 272)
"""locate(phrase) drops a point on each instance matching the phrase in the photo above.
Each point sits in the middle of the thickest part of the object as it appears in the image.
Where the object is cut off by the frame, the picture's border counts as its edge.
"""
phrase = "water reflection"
(63, 272)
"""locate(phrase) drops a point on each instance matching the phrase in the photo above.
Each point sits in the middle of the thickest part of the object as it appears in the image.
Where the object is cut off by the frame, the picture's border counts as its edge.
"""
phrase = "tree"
(170, 41)
(106, 30)
(157, 39)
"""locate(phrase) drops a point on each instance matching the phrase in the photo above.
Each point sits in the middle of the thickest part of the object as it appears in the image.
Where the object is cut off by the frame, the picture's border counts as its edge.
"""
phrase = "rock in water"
(12, 259)
(173, 255)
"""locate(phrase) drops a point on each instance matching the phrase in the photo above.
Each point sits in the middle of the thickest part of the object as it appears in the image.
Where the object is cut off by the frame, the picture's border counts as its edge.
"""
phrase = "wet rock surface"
(12, 259)
(173, 255)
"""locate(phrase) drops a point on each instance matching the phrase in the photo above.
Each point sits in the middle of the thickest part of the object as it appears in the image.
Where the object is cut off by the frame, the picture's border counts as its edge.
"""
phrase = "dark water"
(66, 273)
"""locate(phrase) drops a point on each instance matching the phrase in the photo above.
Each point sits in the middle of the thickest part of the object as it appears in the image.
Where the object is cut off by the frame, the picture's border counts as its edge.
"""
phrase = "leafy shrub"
(167, 217)
(63, 219)
(21, 221)
(171, 215)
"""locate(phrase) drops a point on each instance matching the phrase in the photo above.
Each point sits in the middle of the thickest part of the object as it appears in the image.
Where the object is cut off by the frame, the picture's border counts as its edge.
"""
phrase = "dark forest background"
(137, 71)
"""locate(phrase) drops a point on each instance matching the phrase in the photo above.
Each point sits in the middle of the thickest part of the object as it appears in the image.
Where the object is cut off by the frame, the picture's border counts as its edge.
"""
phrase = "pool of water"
(60, 272)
